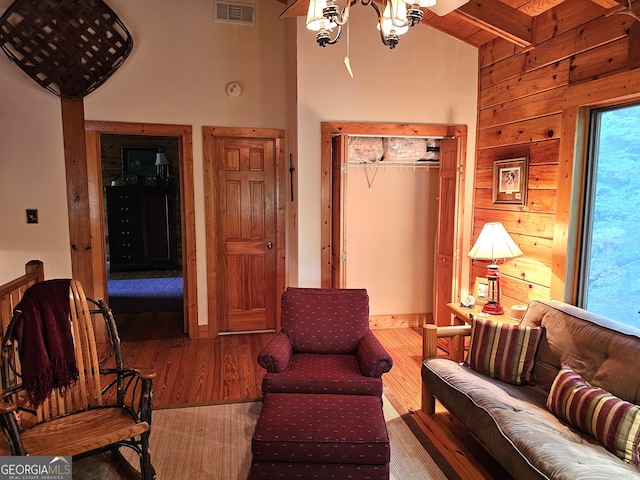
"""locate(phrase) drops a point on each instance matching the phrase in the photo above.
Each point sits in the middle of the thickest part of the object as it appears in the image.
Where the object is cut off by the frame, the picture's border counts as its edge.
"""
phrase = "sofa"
(571, 412)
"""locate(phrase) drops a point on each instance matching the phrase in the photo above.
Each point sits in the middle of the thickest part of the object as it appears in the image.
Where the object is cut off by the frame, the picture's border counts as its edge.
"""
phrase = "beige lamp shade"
(493, 243)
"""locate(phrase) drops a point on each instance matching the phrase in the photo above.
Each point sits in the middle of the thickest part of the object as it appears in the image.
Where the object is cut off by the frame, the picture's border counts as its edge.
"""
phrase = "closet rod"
(387, 165)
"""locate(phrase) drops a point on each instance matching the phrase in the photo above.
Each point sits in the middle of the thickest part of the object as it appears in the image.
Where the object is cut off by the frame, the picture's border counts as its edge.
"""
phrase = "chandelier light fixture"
(394, 18)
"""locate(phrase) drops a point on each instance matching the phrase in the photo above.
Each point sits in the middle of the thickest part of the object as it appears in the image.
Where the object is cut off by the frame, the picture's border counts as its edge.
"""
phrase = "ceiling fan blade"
(296, 9)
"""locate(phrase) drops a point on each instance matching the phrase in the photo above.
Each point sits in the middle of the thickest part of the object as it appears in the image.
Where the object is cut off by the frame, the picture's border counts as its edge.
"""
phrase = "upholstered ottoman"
(320, 436)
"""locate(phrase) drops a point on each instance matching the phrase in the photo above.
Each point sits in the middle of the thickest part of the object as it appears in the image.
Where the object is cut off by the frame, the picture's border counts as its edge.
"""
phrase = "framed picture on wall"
(510, 181)
(138, 163)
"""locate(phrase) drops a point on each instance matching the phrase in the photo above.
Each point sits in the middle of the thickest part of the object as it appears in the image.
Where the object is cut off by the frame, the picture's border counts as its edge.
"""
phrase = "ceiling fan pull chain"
(347, 63)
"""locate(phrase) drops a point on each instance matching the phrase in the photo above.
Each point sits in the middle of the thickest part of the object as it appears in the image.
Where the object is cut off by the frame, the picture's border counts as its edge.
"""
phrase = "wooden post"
(429, 349)
(429, 341)
(430, 335)
(78, 204)
(35, 267)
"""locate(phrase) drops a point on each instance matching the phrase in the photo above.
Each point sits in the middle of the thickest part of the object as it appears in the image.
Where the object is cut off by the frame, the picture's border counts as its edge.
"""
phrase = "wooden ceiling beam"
(607, 3)
(499, 19)
(296, 9)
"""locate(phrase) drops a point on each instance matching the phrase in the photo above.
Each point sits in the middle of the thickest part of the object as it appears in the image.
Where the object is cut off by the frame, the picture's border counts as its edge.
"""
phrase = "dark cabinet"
(140, 229)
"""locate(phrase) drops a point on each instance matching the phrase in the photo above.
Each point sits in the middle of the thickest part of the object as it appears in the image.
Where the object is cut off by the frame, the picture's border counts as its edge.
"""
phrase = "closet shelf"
(393, 164)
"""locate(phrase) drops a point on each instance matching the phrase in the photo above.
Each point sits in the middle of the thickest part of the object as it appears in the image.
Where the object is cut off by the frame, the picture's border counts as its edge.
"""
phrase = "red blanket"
(45, 341)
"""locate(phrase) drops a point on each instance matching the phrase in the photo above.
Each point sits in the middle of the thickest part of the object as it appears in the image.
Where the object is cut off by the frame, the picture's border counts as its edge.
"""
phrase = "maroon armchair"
(325, 345)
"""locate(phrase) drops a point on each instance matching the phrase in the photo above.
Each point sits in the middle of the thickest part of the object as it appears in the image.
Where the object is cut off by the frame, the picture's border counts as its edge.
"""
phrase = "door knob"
(269, 245)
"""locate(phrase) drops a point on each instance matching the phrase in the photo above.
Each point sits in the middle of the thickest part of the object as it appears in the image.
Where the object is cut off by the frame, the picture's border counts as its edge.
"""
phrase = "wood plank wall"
(522, 93)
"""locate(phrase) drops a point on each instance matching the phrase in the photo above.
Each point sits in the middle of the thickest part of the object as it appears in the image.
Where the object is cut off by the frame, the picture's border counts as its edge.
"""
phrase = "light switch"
(32, 215)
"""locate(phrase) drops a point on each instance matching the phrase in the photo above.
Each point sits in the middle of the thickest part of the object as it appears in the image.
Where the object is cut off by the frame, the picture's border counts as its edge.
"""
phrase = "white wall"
(176, 74)
(391, 219)
(428, 78)
(32, 175)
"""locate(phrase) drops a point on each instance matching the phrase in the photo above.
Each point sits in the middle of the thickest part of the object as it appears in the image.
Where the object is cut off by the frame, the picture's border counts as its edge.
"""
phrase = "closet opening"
(394, 217)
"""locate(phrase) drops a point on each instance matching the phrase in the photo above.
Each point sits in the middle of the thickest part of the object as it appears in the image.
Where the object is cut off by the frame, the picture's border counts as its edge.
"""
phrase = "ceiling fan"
(441, 8)
(327, 17)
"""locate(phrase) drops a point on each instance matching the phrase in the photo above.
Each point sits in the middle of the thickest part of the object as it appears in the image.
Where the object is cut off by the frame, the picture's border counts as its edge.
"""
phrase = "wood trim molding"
(564, 250)
(578, 101)
(93, 130)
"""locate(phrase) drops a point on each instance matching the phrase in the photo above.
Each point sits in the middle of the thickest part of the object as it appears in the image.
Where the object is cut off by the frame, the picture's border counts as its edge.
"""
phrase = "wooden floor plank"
(199, 375)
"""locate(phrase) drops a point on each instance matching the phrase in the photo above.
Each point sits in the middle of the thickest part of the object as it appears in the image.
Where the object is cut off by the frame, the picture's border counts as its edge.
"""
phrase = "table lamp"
(493, 243)
(162, 166)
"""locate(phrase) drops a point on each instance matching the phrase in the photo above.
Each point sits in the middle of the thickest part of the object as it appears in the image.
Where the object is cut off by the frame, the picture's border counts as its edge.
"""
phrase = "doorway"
(141, 184)
(333, 156)
(181, 135)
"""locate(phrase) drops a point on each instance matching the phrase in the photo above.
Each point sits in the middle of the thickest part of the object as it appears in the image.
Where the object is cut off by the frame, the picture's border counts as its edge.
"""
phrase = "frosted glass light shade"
(493, 243)
(315, 20)
(395, 11)
(422, 3)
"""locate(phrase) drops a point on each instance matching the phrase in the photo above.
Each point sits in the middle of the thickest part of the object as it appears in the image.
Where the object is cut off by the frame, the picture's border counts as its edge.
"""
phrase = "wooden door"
(243, 243)
(446, 234)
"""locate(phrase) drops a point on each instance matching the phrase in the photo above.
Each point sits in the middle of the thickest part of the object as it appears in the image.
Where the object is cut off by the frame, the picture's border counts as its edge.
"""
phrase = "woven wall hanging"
(69, 47)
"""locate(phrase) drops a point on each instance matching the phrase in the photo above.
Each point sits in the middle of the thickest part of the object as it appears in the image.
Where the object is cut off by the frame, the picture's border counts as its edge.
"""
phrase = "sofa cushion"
(615, 423)
(503, 351)
(322, 373)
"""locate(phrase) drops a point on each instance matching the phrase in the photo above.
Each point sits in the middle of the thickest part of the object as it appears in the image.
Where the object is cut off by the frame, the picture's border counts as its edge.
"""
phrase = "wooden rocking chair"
(106, 408)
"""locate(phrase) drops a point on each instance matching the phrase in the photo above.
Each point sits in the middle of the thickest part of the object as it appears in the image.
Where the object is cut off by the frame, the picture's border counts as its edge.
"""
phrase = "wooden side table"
(456, 333)
(467, 314)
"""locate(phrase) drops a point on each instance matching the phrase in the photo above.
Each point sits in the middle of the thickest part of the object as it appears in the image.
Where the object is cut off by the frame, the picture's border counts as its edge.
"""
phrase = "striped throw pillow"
(613, 422)
(503, 351)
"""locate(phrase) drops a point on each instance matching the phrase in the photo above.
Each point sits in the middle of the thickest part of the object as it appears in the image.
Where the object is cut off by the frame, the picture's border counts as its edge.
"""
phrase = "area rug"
(214, 442)
(146, 295)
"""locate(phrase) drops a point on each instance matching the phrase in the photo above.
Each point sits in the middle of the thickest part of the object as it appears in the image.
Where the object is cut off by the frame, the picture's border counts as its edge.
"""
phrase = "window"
(610, 257)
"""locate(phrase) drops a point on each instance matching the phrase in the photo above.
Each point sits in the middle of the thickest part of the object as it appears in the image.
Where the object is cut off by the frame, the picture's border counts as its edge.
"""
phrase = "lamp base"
(493, 308)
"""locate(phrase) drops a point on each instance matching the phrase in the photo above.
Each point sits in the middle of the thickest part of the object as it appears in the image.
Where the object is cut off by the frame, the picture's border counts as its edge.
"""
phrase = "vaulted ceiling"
(481, 21)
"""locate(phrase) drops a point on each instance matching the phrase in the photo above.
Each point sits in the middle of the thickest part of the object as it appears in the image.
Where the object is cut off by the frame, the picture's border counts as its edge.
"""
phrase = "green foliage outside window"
(614, 259)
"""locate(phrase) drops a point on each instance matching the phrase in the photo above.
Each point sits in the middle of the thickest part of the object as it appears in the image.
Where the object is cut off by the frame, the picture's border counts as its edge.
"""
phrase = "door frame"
(330, 193)
(210, 213)
(93, 130)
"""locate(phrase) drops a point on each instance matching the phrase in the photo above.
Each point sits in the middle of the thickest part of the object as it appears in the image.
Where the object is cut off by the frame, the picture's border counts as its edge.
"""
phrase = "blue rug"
(146, 295)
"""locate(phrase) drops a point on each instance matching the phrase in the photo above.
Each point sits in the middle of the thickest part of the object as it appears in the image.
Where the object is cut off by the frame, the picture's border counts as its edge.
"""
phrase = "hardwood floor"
(224, 369)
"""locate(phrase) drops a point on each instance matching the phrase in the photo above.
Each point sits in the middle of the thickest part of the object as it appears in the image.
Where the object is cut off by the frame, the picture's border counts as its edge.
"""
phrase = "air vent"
(232, 12)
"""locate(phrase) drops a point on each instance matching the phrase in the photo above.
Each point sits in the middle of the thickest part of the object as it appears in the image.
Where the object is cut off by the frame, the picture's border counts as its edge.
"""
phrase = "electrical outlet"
(32, 215)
